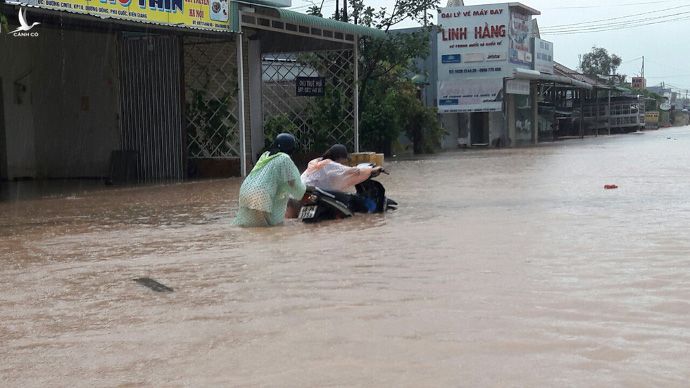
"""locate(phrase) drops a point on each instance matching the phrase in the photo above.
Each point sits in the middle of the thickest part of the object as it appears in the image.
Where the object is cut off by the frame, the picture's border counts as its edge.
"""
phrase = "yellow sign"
(202, 14)
(651, 119)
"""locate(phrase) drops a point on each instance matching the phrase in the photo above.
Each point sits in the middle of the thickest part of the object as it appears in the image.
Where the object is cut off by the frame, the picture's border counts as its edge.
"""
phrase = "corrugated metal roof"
(533, 74)
(560, 69)
(316, 21)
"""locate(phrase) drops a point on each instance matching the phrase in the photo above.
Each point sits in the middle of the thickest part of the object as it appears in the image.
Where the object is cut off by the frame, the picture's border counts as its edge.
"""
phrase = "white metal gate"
(150, 106)
(211, 111)
(318, 121)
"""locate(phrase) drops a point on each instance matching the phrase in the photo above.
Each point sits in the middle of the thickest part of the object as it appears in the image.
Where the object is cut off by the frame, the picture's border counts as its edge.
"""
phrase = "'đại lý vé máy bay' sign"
(199, 14)
(479, 46)
(473, 44)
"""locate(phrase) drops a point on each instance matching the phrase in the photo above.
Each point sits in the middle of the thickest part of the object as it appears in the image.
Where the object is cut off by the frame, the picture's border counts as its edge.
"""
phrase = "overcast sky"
(664, 44)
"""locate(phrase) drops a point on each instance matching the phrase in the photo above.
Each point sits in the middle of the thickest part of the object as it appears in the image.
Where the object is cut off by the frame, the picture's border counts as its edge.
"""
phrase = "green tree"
(598, 62)
(388, 99)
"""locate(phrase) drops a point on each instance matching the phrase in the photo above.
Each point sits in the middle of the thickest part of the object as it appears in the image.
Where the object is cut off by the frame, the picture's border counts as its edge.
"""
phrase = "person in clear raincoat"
(265, 192)
(329, 173)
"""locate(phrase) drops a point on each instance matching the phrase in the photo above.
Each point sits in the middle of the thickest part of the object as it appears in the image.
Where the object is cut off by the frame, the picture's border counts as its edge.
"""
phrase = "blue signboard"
(448, 101)
(451, 58)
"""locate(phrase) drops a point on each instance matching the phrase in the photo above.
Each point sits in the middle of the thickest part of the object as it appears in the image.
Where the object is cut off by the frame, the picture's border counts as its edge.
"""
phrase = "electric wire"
(607, 6)
(621, 18)
(615, 28)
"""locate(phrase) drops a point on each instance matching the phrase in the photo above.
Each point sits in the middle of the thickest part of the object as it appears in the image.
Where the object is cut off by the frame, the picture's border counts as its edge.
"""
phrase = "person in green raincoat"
(265, 192)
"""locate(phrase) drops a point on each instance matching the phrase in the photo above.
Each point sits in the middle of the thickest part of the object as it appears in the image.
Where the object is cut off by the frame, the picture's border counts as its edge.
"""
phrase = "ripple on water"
(496, 261)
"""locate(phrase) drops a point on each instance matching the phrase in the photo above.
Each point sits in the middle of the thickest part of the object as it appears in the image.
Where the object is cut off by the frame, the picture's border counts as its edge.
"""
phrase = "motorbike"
(319, 205)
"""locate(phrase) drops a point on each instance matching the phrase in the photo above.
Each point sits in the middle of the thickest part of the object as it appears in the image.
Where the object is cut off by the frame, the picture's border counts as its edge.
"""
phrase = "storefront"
(148, 92)
(478, 50)
(100, 92)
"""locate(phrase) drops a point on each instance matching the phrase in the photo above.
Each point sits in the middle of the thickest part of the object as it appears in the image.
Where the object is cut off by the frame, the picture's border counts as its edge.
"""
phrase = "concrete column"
(510, 118)
(240, 102)
(534, 99)
(356, 92)
(255, 98)
(582, 113)
(608, 114)
(596, 108)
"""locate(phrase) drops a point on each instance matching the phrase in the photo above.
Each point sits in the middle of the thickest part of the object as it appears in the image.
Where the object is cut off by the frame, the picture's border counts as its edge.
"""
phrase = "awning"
(328, 24)
(304, 28)
(535, 75)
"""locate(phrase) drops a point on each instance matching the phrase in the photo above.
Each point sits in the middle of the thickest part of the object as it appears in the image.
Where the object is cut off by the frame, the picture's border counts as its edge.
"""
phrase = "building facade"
(150, 90)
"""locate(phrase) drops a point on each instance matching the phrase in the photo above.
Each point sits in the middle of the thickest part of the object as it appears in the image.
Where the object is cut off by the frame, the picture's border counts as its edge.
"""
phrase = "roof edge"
(523, 7)
(301, 18)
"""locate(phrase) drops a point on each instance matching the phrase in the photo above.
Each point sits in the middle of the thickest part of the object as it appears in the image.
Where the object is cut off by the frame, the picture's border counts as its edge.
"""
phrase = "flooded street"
(509, 267)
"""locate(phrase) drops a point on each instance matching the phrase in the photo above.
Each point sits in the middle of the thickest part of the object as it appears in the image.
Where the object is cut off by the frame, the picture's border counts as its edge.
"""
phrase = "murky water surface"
(501, 268)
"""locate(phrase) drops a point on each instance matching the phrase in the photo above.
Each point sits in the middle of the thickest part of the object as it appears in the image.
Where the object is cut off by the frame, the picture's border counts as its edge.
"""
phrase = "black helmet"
(337, 152)
(285, 142)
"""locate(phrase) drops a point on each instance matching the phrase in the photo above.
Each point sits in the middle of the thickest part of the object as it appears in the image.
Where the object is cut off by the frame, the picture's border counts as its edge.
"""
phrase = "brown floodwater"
(509, 267)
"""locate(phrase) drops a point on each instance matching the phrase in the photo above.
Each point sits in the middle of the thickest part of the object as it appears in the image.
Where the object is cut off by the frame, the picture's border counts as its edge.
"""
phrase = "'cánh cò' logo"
(24, 27)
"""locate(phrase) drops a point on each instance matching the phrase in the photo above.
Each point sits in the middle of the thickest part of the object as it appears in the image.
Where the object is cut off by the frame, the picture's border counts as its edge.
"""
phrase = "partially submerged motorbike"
(319, 205)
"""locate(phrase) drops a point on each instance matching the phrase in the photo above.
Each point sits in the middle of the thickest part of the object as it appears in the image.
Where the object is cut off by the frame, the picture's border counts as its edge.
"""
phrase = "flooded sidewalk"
(509, 267)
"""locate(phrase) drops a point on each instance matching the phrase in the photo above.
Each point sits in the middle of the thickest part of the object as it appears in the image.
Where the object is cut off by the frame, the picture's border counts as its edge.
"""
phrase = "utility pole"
(337, 10)
(643, 67)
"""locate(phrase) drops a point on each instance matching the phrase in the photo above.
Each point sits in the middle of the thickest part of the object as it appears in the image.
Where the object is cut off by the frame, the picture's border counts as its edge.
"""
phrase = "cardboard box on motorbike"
(365, 157)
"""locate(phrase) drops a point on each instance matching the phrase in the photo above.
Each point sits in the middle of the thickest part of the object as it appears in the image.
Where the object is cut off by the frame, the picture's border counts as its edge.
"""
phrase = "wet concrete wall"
(497, 128)
(15, 70)
(60, 93)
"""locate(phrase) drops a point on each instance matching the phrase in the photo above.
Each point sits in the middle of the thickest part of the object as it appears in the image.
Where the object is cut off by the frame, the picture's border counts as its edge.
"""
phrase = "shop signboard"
(517, 86)
(310, 86)
(472, 58)
(198, 14)
(472, 95)
(543, 56)
(520, 50)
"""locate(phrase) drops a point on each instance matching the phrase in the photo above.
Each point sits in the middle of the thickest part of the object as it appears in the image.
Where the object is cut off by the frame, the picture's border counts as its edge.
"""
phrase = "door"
(479, 128)
(151, 107)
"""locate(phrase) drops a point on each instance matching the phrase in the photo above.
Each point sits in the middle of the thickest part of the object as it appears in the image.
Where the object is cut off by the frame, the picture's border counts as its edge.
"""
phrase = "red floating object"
(610, 187)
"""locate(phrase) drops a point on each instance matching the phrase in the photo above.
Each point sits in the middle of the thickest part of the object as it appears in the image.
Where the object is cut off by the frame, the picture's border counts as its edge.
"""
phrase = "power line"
(675, 87)
(559, 26)
(667, 65)
(670, 75)
(608, 6)
(622, 27)
(621, 24)
(631, 60)
(311, 4)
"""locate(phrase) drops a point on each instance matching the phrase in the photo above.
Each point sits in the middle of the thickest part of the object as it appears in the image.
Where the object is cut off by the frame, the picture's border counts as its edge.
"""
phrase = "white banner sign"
(471, 95)
(520, 50)
(473, 45)
(543, 56)
(517, 86)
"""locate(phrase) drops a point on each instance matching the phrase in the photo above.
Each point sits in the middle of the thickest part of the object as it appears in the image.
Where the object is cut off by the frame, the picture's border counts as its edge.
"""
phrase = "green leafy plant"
(325, 114)
(276, 125)
(211, 124)
(387, 100)
(393, 111)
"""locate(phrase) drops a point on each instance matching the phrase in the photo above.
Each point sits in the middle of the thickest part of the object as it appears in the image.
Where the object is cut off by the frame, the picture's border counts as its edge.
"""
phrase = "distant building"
(639, 83)
(496, 83)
